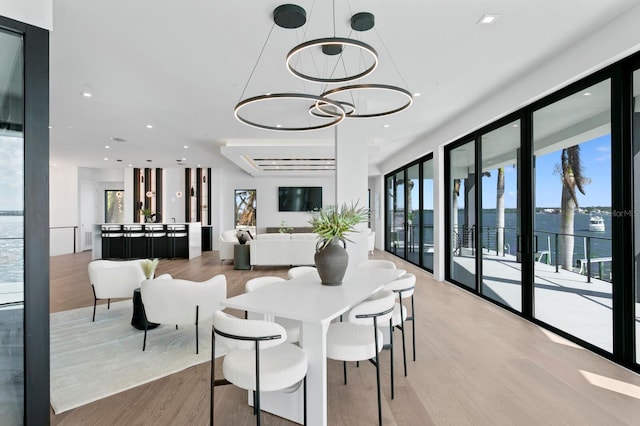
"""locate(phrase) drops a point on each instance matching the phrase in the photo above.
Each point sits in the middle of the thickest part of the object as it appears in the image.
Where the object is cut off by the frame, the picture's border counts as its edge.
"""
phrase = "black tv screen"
(299, 198)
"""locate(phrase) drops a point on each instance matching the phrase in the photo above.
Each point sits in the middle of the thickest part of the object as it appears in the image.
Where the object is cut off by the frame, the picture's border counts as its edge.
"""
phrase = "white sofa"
(227, 240)
(283, 249)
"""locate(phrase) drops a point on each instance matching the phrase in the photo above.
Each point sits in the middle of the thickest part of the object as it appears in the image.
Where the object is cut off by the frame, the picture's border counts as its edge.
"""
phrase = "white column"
(351, 184)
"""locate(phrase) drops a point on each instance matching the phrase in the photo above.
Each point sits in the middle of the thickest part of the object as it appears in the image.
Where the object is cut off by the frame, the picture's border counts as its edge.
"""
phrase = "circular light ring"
(316, 111)
(319, 43)
(296, 96)
(354, 87)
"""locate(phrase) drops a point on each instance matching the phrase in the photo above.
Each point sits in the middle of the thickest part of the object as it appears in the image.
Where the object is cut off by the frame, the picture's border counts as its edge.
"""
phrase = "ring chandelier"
(325, 106)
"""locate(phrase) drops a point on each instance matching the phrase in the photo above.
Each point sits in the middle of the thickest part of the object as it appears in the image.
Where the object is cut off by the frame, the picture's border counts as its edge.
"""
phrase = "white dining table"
(315, 305)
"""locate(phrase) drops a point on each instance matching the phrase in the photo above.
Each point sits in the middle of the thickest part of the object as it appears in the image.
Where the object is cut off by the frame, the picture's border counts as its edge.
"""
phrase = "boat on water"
(596, 224)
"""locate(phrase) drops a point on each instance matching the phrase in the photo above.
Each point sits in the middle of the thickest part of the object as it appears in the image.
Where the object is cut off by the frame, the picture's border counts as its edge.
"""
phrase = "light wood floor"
(477, 365)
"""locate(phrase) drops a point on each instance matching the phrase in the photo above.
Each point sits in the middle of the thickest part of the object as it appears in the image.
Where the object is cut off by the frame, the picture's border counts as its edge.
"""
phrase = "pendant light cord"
(257, 61)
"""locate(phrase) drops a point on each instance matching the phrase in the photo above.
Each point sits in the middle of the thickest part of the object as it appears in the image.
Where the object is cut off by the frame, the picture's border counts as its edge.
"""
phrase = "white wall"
(266, 197)
(173, 206)
(63, 196)
(35, 12)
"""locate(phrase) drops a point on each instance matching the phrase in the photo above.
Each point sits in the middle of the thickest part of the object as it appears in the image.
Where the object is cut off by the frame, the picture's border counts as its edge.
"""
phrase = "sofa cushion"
(304, 236)
(273, 236)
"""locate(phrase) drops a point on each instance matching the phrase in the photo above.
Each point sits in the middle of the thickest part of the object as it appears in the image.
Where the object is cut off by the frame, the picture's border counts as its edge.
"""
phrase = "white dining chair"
(298, 271)
(403, 288)
(258, 358)
(292, 326)
(360, 339)
(377, 263)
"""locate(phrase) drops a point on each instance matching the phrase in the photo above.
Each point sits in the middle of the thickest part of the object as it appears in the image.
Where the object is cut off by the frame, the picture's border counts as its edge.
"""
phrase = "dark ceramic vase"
(331, 262)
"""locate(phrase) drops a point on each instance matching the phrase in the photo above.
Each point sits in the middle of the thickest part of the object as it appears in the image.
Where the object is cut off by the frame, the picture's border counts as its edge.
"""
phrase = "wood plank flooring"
(476, 365)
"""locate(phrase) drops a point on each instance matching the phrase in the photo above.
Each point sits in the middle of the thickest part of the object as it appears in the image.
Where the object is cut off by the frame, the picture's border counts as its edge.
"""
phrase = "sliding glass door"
(11, 229)
(462, 219)
(500, 230)
(572, 224)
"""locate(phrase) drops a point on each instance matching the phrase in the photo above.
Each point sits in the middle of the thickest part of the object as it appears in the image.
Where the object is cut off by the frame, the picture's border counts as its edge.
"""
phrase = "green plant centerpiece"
(332, 224)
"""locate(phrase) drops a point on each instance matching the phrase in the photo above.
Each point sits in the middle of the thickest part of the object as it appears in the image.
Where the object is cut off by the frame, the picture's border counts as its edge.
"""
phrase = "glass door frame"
(36, 219)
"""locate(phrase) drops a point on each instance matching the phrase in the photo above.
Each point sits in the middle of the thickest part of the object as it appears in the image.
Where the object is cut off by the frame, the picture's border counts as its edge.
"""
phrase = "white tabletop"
(306, 299)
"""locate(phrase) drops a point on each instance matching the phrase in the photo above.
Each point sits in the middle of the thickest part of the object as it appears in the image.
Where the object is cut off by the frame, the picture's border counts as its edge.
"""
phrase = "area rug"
(92, 360)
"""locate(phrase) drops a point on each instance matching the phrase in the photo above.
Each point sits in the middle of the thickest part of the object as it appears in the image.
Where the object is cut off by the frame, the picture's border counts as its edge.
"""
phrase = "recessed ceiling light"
(107, 147)
(278, 125)
(106, 158)
(149, 126)
(186, 146)
(130, 165)
(386, 126)
(586, 94)
(55, 164)
(488, 19)
(51, 127)
(87, 94)
(417, 94)
(198, 165)
(516, 125)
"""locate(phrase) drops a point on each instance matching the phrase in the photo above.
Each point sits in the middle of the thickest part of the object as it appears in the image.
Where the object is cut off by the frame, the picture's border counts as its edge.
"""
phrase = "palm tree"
(572, 179)
(500, 211)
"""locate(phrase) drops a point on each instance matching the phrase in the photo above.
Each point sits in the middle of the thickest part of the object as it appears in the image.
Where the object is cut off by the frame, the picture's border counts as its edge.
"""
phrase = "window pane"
(11, 230)
(636, 201)
(463, 211)
(427, 215)
(501, 264)
(572, 224)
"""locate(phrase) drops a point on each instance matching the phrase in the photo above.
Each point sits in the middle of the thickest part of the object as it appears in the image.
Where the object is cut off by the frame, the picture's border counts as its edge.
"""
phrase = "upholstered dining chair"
(403, 288)
(258, 359)
(111, 279)
(298, 271)
(377, 263)
(360, 339)
(181, 302)
(292, 326)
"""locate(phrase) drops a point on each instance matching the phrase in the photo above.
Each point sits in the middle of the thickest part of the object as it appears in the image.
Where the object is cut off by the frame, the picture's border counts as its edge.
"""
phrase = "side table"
(241, 256)
(139, 319)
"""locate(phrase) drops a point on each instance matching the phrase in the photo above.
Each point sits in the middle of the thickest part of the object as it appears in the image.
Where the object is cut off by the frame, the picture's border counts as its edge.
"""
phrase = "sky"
(596, 165)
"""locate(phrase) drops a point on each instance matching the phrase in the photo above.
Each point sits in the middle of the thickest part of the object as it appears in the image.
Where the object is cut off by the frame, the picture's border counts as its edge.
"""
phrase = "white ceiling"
(182, 66)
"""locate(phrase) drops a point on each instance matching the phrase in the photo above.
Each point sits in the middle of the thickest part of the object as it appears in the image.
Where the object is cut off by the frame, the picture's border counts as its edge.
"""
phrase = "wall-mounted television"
(299, 198)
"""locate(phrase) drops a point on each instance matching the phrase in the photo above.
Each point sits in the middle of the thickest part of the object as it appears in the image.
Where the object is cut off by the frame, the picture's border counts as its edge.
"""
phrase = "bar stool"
(112, 240)
(135, 243)
(156, 236)
(176, 239)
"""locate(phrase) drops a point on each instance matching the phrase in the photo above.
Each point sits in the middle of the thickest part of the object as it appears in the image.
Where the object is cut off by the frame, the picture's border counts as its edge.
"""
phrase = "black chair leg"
(95, 301)
(108, 303)
(344, 369)
(391, 348)
(304, 392)
(144, 342)
(213, 369)
(413, 327)
(404, 347)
